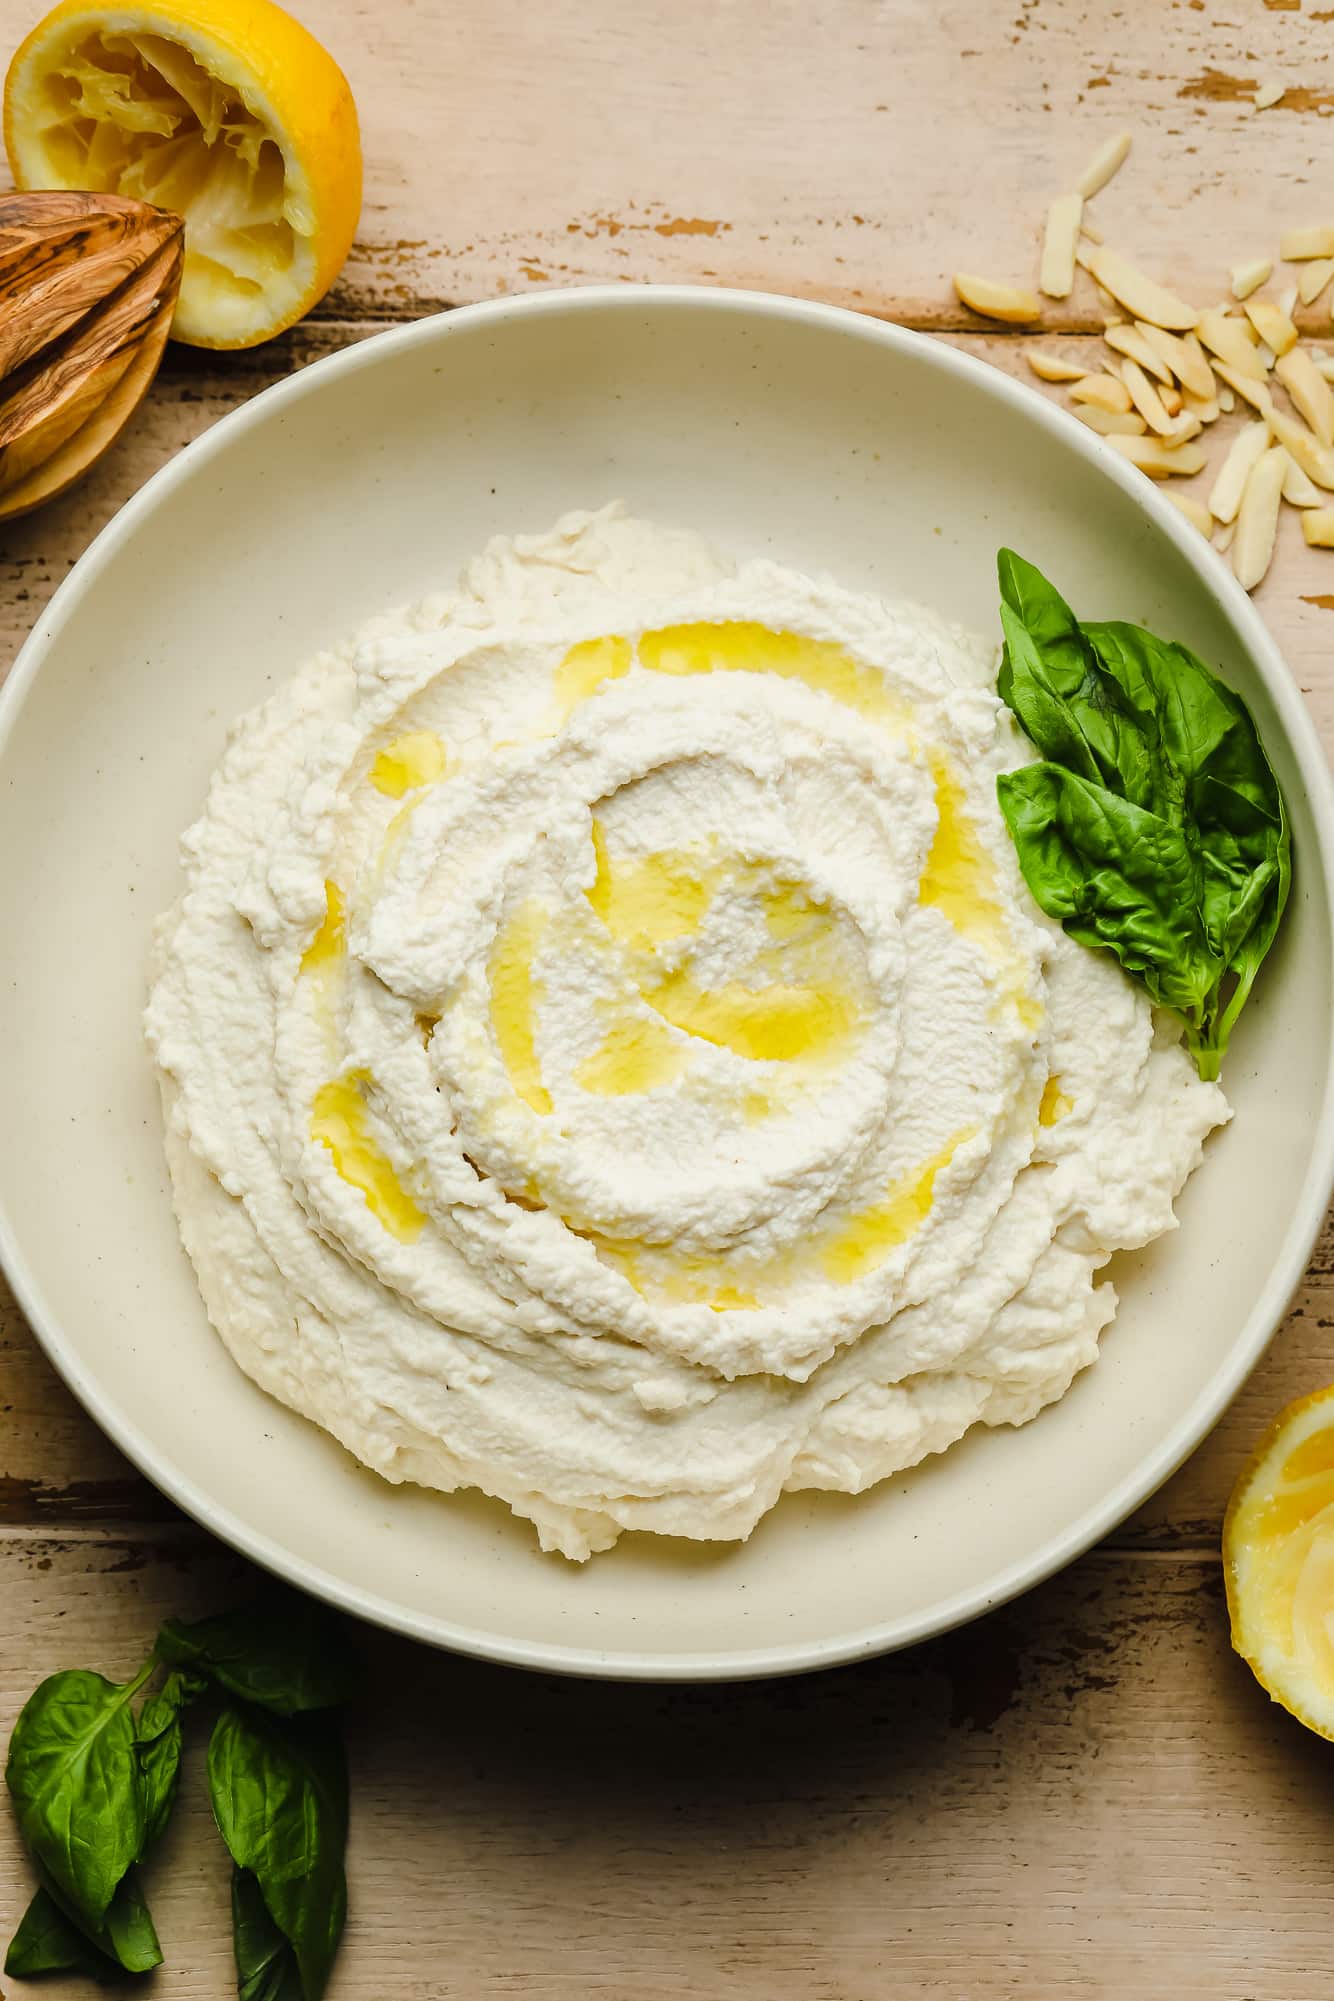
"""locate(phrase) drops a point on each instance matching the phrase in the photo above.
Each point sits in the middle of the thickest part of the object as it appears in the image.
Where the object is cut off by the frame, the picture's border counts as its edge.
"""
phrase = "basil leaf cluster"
(94, 1782)
(1153, 827)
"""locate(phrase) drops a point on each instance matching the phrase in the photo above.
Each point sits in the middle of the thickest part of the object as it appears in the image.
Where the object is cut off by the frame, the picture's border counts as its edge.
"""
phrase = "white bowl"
(829, 441)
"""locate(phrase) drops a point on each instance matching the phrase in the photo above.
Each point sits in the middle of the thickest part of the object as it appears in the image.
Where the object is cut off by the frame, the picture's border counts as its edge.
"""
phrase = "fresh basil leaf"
(158, 1738)
(1044, 614)
(49, 1942)
(1041, 700)
(1114, 875)
(125, 1940)
(279, 1792)
(127, 1932)
(287, 1655)
(1208, 737)
(266, 1968)
(1088, 725)
(1188, 888)
(75, 1782)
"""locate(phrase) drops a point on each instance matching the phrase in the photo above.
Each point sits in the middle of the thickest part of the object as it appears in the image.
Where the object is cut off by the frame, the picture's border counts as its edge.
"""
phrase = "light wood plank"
(858, 154)
(1082, 1795)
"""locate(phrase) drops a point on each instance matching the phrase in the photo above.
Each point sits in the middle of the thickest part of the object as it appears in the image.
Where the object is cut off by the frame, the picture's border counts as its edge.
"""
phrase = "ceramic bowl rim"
(1291, 1258)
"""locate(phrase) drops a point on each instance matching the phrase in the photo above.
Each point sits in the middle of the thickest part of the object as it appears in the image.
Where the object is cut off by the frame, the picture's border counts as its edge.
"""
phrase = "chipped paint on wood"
(1218, 88)
(480, 173)
(1053, 1800)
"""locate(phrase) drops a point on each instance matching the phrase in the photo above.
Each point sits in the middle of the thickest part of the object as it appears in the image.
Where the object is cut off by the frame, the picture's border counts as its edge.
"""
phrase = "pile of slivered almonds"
(1173, 369)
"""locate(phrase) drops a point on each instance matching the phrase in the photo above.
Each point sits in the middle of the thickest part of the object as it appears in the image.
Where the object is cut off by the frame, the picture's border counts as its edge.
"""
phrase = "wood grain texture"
(1083, 1795)
(836, 149)
(850, 152)
(88, 286)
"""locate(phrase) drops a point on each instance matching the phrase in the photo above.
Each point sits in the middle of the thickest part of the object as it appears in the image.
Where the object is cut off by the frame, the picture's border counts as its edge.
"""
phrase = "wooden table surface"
(1083, 1794)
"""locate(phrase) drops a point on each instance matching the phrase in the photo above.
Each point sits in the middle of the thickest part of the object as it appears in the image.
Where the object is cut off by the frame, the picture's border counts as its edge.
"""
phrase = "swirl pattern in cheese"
(611, 1058)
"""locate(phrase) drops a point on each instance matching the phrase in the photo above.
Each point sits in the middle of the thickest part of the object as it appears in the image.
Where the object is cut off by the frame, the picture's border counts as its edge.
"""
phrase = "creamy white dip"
(611, 1058)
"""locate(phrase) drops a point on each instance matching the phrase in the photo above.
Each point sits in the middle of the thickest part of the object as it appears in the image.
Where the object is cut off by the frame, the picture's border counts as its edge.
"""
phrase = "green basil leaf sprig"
(49, 1942)
(266, 1965)
(73, 1774)
(1154, 827)
(279, 1792)
(94, 1784)
(284, 1666)
(158, 1741)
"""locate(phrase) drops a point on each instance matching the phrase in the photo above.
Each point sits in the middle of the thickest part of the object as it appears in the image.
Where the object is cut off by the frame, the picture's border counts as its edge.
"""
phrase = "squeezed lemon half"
(226, 111)
(1278, 1555)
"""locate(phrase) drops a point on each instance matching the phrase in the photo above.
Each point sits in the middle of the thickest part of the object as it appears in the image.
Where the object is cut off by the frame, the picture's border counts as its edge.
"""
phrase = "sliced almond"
(1272, 324)
(1223, 538)
(1232, 341)
(997, 302)
(1287, 298)
(1295, 246)
(1230, 483)
(1206, 408)
(1053, 367)
(1298, 490)
(1145, 398)
(1312, 396)
(1313, 278)
(1248, 278)
(1105, 299)
(1131, 340)
(1057, 276)
(1195, 512)
(1111, 423)
(1227, 399)
(1257, 518)
(1316, 460)
(1108, 392)
(1170, 398)
(1141, 296)
(1255, 392)
(1184, 356)
(1187, 425)
(1158, 459)
(1108, 160)
(1268, 94)
(1318, 528)
(1325, 363)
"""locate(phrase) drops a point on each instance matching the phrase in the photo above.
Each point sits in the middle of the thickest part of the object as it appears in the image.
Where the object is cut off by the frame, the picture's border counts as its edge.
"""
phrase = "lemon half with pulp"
(1278, 1554)
(226, 111)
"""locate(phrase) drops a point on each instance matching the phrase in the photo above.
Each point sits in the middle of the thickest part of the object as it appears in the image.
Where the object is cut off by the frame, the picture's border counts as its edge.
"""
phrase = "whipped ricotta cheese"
(611, 1058)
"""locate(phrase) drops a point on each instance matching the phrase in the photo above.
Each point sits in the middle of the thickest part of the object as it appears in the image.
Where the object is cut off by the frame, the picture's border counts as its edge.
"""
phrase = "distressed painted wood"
(830, 148)
(1083, 1795)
